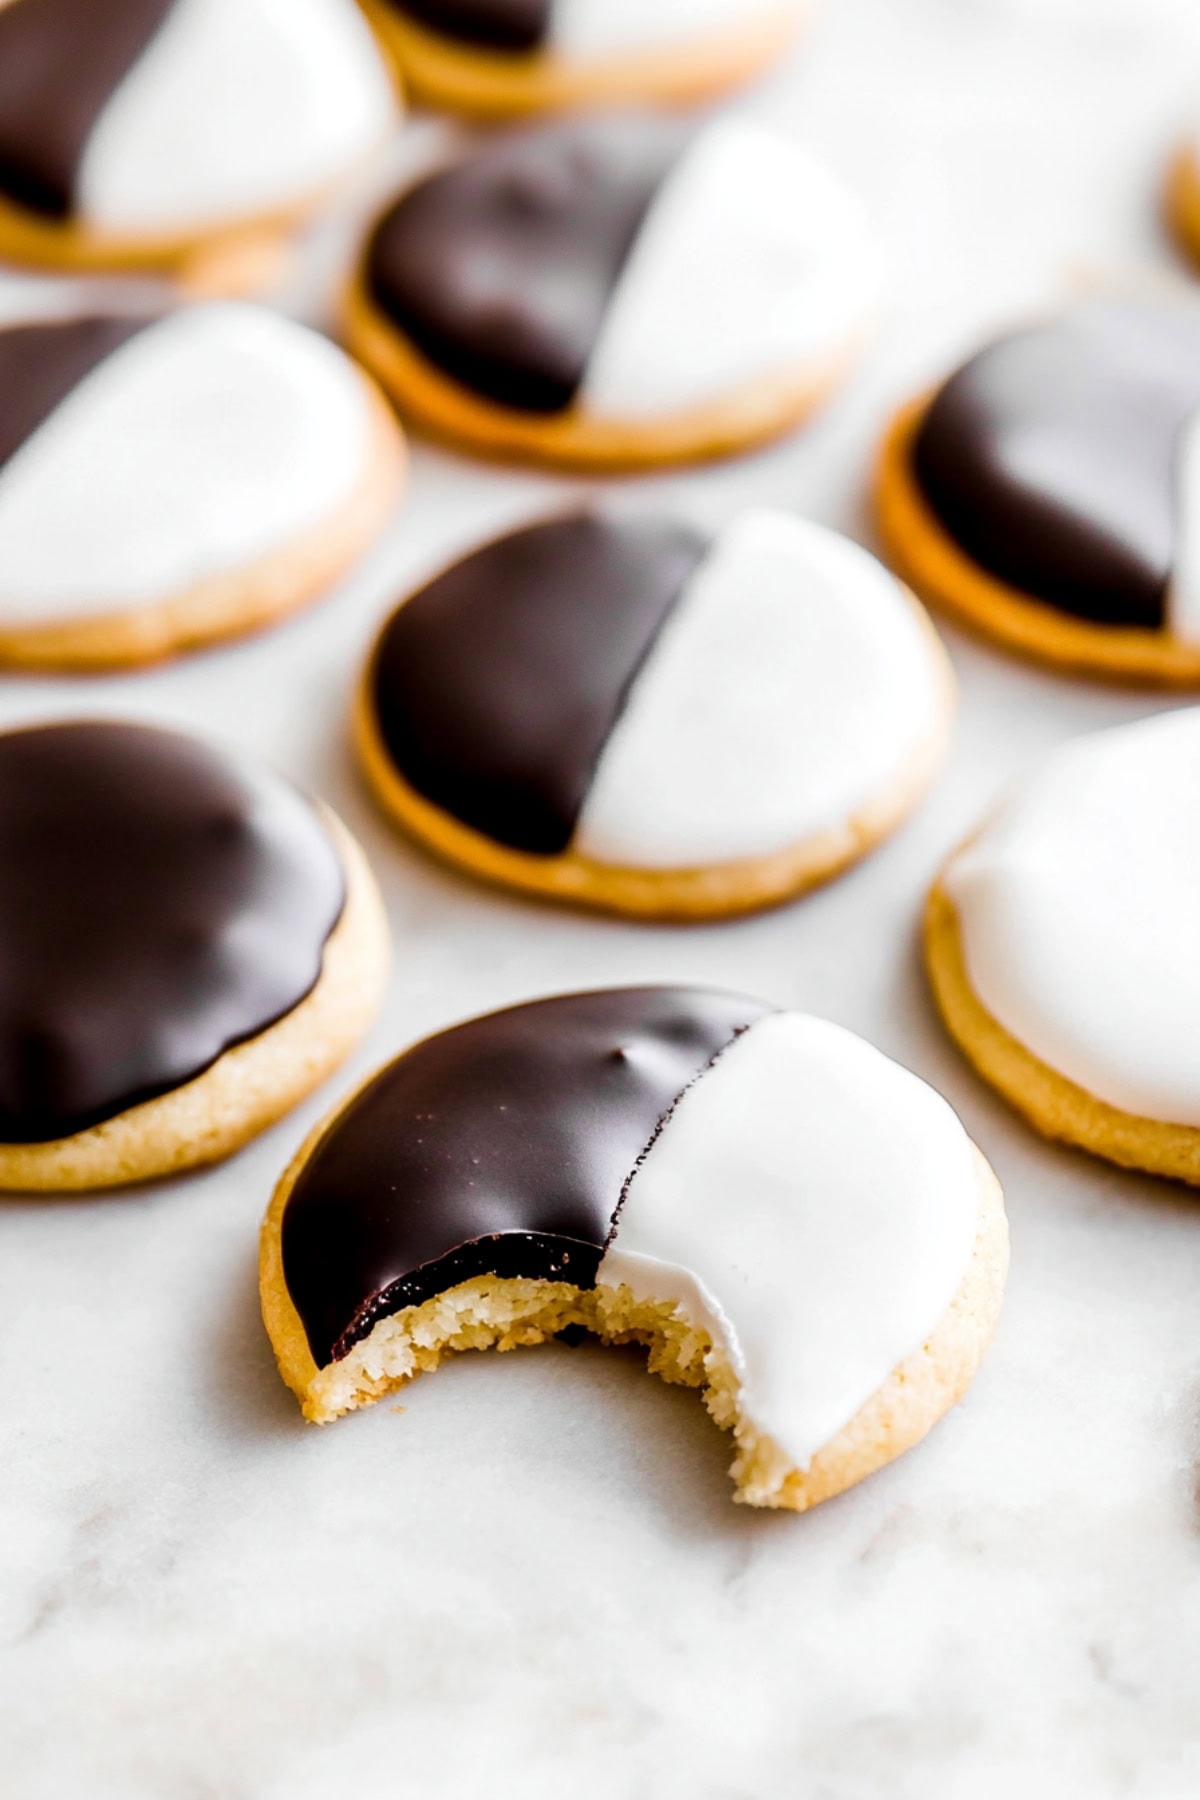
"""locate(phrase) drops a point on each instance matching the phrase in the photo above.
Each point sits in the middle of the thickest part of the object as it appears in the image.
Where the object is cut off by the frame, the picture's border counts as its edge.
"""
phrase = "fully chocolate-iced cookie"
(165, 482)
(500, 58)
(187, 947)
(632, 714)
(789, 1221)
(179, 135)
(617, 291)
(1061, 944)
(1049, 492)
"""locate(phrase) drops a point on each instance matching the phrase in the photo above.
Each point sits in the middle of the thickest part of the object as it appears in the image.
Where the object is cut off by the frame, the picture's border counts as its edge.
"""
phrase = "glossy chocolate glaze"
(41, 364)
(1050, 457)
(159, 902)
(496, 687)
(492, 24)
(502, 1147)
(60, 63)
(501, 268)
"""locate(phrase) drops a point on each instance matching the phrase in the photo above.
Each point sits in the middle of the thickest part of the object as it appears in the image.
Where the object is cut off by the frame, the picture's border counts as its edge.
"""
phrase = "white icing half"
(1183, 591)
(753, 262)
(205, 442)
(1078, 910)
(236, 107)
(791, 684)
(814, 1206)
(588, 30)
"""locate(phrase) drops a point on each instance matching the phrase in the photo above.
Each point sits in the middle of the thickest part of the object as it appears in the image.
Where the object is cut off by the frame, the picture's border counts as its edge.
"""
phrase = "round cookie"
(617, 292)
(1048, 494)
(184, 137)
(187, 948)
(166, 482)
(1181, 198)
(627, 714)
(789, 1220)
(503, 58)
(1061, 946)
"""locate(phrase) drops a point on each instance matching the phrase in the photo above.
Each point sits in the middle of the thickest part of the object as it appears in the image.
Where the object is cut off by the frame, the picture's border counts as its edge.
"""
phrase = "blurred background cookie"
(188, 946)
(617, 292)
(499, 58)
(1048, 494)
(165, 482)
(790, 1221)
(182, 136)
(637, 716)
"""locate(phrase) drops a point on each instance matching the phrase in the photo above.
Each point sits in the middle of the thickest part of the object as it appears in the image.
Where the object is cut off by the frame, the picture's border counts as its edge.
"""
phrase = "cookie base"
(487, 1313)
(924, 555)
(721, 890)
(574, 439)
(237, 602)
(1052, 1104)
(453, 77)
(250, 1086)
(1181, 202)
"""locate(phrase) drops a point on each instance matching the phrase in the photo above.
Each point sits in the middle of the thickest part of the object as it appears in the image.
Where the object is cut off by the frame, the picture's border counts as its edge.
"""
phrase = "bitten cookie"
(616, 292)
(1061, 943)
(501, 58)
(187, 948)
(632, 715)
(186, 137)
(1049, 493)
(788, 1220)
(167, 482)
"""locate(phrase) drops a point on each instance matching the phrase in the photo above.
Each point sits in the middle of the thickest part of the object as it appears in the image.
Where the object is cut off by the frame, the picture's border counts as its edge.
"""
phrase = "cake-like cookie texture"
(629, 714)
(1048, 494)
(498, 59)
(167, 482)
(786, 1218)
(188, 946)
(617, 291)
(1061, 946)
(184, 137)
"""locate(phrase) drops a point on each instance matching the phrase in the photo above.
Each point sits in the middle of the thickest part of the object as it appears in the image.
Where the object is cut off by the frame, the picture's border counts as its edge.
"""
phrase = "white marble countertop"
(533, 1581)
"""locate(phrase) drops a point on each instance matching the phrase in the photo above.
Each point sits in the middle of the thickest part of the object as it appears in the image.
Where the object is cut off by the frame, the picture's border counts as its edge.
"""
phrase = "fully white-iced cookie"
(152, 132)
(1062, 947)
(628, 713)
(788, 1219)
(619, 290)
(168, 481)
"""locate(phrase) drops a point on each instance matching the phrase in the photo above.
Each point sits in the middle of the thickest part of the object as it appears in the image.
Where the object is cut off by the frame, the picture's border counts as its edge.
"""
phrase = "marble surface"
(531, 1580)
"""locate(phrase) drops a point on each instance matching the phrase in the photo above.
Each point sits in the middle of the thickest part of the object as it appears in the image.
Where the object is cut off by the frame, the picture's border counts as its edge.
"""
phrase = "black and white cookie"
(636, 715)
(618, 290)
(791, 1221)
(168, 481)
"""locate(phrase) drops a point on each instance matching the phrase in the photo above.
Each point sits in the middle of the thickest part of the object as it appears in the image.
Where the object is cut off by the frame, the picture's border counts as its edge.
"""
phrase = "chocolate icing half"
(496, 687)
(502, 1147)
(41, 364)
(1050, 457)
(60, 63)
(501, 268)
(159, 903)
(493, 24)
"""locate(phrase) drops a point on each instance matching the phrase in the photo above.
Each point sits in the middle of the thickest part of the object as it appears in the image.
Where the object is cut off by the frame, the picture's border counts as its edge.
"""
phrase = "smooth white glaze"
(589, 30)
(208, 440)
(790, 686)
(815, 1205)
(236, 107)
(1183, 590)
(753, 263)
(1077, 907)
